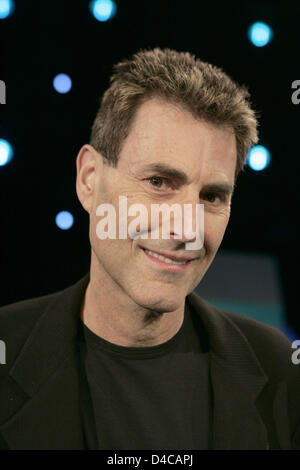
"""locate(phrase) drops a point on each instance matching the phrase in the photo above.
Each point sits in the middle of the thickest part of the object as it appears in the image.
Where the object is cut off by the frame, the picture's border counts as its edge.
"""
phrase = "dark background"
(47, 129)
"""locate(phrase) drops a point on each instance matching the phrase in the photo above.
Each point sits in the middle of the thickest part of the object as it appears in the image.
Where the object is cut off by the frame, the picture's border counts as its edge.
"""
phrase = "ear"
(88, 164)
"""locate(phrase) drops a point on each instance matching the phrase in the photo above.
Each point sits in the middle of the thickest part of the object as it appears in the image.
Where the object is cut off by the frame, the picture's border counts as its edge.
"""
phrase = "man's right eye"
(157, 181)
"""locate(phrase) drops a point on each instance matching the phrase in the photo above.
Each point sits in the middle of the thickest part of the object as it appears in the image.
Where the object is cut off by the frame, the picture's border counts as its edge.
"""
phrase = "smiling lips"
(166, 261)
(164, 258)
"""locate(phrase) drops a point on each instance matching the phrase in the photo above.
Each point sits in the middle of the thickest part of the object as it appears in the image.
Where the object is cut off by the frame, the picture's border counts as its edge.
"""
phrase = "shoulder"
(270, 345)
(17, 320)
(260, 335)
(24, 313)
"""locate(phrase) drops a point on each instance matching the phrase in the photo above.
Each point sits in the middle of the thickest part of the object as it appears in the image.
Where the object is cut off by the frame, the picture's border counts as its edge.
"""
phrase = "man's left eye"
(211, 197)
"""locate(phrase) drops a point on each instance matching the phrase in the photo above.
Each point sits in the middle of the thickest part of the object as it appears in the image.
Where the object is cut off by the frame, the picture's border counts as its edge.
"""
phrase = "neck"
(111, 314)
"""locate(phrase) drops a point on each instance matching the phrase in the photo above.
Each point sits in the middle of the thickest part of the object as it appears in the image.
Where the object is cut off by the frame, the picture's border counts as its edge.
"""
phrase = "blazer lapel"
(237, 423)
(281, 416)
(48, 415)
(237, 380)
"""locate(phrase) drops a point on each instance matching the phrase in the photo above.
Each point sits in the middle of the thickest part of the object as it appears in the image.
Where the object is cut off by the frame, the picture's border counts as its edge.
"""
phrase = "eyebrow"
(167, 171)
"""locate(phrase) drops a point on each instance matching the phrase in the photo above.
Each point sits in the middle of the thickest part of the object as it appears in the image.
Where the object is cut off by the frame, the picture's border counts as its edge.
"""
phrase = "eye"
(212, 196)
(157, 181)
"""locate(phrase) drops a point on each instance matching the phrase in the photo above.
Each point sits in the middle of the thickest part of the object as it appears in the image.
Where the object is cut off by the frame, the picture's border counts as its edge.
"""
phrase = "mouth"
(164, 262)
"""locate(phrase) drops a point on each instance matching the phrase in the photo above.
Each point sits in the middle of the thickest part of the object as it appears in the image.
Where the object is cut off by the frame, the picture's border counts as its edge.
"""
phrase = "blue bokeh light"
(6, 8)
(64, 220)
(62, 83)
(258, 158)
(260, 34)
(103, 10)
(6, 152)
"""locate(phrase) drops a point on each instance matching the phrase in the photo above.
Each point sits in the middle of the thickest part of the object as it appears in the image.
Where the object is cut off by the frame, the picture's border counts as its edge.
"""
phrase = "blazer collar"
(47, 371)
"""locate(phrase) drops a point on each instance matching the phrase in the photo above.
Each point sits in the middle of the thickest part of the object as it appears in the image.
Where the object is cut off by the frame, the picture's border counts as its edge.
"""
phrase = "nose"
(187, 224)
(192, 221)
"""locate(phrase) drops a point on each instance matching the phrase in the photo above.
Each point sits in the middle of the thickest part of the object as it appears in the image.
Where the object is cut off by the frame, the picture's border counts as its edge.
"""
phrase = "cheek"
(214, 229)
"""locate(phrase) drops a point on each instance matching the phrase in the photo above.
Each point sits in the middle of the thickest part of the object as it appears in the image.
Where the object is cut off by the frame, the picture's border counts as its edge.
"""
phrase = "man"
(129, 357)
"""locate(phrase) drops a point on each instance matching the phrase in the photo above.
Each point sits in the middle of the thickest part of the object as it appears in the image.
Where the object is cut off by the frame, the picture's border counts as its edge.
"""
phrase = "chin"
(158, 302)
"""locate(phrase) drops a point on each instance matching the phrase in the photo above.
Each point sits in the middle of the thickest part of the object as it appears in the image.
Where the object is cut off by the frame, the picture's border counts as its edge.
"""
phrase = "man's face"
(203, 155)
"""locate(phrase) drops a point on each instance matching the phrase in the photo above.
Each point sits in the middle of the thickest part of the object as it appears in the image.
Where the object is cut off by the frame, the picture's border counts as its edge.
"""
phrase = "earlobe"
(86, 165)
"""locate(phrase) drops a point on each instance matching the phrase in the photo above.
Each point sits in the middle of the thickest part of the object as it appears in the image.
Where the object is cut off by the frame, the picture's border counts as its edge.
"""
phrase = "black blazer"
(256, 387)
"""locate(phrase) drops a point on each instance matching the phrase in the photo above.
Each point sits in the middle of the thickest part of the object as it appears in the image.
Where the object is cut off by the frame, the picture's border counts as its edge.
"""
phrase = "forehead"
(164, 133)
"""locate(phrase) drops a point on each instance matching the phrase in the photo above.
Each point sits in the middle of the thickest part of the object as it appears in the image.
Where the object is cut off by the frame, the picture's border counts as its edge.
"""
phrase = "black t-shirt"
(156, 397)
